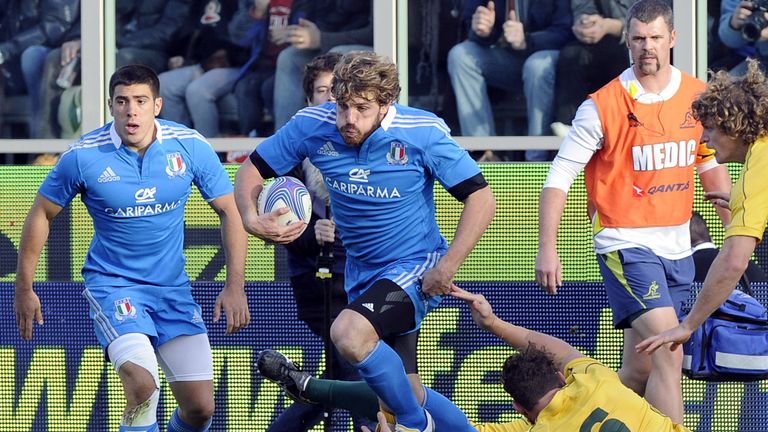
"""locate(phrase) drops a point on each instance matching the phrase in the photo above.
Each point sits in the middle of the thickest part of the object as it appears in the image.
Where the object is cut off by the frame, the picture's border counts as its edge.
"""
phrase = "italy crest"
(176, 165)
(396, 155)
(124, 309)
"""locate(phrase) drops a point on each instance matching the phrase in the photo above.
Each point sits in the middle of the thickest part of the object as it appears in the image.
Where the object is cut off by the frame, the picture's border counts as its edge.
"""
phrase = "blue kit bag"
(732, 344)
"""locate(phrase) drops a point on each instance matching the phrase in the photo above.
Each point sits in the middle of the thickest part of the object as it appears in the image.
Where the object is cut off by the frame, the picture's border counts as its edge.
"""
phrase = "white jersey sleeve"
(577, 148)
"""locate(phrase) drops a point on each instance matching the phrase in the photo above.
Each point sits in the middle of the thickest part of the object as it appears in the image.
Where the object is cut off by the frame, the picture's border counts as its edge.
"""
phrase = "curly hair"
(367, 75)
(529, 375)
(322, 63)
(736, 105)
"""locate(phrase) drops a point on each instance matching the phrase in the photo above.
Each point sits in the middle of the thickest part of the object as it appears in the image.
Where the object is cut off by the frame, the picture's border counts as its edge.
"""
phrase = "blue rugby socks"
(446, 414)
(383, 371)
(176, 424)
(151, 428)
(358, 398)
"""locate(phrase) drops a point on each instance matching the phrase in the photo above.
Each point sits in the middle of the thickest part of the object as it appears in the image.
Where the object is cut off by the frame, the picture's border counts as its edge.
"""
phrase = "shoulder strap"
(745, 285)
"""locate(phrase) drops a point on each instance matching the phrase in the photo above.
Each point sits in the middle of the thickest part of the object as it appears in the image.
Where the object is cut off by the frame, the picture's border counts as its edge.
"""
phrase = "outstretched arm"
(33, 237)
(478, 212)
(516, 336)
(723, 275)
(232, 298)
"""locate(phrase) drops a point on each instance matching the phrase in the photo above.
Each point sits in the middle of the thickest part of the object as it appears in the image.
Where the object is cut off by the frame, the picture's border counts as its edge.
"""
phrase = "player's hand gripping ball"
(288, 192)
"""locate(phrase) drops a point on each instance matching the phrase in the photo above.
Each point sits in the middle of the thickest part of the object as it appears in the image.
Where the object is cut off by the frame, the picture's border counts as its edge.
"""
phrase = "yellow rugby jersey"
(749, 198)
(594, 398)
(519, 425)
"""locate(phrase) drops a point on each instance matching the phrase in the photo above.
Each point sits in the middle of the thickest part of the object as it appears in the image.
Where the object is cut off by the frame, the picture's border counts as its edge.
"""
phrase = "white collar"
(386, 122)
(703, 245)
(117, 141)
(630, 82)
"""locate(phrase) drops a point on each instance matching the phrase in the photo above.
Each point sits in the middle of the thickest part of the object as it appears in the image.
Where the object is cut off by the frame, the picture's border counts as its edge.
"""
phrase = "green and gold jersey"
(519, 425)
(594, 398)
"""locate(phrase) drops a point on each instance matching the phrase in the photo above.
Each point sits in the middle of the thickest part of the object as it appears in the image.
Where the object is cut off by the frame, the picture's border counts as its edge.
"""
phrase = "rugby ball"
(288, 192)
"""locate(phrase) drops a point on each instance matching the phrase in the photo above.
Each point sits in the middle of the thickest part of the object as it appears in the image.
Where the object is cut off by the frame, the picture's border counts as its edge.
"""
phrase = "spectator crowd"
(234, 67)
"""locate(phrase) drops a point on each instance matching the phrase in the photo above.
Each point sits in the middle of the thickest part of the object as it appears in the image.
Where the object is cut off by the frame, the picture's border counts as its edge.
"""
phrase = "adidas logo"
(368, 306)
(327, 150)
(196, 318)
(108, 176)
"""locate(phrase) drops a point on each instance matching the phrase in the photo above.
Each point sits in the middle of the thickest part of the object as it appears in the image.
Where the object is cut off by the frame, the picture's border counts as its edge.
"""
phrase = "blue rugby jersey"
(382, 192)
(137, 205)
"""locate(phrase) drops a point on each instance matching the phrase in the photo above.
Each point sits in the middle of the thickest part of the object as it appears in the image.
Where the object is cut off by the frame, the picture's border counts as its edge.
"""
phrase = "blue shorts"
(161, 313)
(637, 280)
(406, 273)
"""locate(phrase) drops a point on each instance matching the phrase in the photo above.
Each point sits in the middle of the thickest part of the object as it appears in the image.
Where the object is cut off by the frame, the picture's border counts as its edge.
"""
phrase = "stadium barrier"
(61, 381)
(506, 252)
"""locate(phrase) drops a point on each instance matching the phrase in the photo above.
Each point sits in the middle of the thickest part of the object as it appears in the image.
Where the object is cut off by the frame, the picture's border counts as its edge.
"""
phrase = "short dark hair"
(135, 74)
(699, 230)
(322, 63)
(646, 11)
(529, 375)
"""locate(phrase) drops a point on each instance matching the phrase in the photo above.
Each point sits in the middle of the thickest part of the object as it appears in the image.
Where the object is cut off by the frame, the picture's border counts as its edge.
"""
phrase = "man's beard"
(650, 69)
(357, 138)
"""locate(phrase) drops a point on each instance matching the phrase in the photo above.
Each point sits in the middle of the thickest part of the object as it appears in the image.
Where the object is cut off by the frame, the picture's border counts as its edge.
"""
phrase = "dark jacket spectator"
(327, 25)
(36, 22)
(341, 22)
(196, 90)
(28, 31)
(515, 51)
(151, 24)
(149, 30)
(595, 57)
(607, 8)
(247, 31)
(547, 23)
(260, 26)
(207, 38)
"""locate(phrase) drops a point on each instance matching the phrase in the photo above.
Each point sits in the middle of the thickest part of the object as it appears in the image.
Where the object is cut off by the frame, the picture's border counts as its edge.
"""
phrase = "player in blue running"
(134, 176)
(379, 161)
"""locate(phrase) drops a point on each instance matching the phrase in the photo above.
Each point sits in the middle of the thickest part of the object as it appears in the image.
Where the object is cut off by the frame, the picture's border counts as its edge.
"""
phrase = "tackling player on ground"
(552, 385)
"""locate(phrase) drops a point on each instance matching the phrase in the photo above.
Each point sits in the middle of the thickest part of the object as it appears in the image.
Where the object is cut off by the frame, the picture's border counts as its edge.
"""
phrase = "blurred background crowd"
(233, 68)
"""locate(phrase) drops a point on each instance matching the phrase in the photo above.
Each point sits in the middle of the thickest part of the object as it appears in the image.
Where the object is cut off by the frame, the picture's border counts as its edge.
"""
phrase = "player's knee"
(636, 368)
(139, 387)
(632, 376)
(143, 413)
(345, 334)
(340, 326)
(199, 413)
(417, 387)
(133, 357)
(666, 360)
(340, 333)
